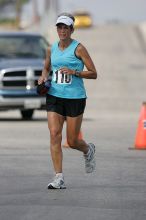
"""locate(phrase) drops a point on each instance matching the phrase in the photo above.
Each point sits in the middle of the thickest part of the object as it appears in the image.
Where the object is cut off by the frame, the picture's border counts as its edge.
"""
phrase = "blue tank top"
(63, 85)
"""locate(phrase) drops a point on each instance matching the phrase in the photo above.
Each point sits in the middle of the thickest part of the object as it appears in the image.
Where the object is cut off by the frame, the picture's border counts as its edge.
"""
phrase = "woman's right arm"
(47, 67)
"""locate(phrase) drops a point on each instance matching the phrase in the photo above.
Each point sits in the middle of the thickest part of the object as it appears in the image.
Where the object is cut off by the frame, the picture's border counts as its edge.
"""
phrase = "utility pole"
(36, 16)
(17, 12)
(47, 4)
(56, 6)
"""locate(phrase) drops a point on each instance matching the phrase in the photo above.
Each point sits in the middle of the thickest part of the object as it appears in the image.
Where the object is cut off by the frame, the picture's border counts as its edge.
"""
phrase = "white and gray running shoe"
(57, 183)
(90, 162)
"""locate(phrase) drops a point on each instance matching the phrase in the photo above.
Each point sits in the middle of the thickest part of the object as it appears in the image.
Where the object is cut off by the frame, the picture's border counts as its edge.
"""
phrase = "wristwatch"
(77, 73)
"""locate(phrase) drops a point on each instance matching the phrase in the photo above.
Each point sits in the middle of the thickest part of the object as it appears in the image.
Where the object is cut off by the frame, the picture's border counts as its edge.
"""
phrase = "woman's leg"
(73, 126)
(55, 125)
(73, 129)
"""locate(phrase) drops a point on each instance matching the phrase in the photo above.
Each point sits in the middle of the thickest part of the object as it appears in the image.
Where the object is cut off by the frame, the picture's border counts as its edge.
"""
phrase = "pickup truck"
(21, 61)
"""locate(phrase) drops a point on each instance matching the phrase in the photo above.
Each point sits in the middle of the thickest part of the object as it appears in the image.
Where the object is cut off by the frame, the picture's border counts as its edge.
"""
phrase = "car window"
(22, 47)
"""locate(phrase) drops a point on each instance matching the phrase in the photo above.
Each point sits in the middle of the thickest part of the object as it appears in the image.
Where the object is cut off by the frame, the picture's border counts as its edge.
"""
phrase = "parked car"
(82, 19)
(21, 62)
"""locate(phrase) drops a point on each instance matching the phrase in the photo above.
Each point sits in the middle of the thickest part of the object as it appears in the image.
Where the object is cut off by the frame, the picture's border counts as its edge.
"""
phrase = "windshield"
(22, 47)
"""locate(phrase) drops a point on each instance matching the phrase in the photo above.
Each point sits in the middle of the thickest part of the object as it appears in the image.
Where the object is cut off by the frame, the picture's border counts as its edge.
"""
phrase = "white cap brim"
(64, 20)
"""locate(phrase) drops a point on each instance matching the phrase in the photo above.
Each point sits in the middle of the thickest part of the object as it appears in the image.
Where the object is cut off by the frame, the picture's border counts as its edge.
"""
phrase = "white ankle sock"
(59, 175)
(89, 151)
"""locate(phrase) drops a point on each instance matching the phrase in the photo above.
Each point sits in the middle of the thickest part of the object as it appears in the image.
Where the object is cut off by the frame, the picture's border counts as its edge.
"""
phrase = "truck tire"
(27, 114)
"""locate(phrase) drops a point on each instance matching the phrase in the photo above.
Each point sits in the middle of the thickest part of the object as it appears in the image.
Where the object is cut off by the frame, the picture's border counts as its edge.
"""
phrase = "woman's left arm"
(82, 53)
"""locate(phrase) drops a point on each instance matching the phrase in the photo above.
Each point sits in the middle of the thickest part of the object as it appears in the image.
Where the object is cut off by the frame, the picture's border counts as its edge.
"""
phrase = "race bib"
(61, 78)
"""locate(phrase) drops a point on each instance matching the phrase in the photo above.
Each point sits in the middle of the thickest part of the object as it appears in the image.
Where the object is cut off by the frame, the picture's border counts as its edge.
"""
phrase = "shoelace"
(89, 155)
(56, 178)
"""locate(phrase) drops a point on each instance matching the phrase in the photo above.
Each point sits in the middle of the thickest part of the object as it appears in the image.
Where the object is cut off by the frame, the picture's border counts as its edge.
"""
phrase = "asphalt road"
(117, 189)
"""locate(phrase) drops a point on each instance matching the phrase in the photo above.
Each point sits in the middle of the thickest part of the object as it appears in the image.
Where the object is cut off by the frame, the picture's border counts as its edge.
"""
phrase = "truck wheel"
(27, 114)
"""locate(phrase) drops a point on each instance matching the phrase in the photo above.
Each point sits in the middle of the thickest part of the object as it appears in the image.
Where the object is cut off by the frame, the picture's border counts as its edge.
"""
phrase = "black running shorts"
(65, 107)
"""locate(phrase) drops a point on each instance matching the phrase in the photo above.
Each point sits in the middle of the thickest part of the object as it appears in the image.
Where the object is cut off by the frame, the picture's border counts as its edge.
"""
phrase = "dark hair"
(68, 15)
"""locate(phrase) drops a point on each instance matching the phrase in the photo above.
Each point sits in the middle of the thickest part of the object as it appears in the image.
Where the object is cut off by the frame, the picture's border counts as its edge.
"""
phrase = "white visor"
(64, 20)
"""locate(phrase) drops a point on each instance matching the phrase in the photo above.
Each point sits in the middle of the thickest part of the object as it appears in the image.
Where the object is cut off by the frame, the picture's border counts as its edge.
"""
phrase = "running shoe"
(57, 183)
(90, 162)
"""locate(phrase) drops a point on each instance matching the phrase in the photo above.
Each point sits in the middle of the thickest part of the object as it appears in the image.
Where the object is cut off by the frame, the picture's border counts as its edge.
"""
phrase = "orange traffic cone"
(140, 140)
(80, 137)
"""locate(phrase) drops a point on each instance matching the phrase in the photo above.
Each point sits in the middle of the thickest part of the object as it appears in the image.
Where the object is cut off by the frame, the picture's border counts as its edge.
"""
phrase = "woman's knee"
(72, 142)
(55, 134)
